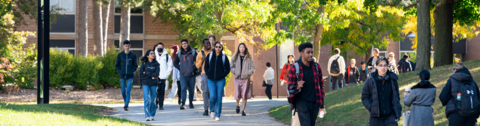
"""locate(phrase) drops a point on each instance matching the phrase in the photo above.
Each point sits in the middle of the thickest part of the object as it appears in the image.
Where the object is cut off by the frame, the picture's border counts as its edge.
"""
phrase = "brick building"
(145, 33)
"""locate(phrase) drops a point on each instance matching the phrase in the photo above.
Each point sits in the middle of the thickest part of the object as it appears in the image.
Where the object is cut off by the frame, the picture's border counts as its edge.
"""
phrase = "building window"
(287, 48)
(137, 47)
(63, 45)
(136, 19)
(66, 22)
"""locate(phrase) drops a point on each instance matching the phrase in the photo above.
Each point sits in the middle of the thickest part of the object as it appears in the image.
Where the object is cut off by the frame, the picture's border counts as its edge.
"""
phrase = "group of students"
(210, 66)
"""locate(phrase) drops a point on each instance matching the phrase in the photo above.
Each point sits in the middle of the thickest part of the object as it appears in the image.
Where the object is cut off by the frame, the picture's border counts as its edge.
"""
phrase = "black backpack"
(402, 67)
(198, 71)
(468, 105)
(335, 67)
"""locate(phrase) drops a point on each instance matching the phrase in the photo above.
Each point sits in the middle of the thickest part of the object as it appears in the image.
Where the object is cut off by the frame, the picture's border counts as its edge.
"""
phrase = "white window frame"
(69, 13)
(131, 14)
(66, 48)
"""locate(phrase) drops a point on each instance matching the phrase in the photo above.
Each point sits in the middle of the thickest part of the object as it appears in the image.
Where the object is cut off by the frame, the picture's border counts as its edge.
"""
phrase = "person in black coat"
(149, 72)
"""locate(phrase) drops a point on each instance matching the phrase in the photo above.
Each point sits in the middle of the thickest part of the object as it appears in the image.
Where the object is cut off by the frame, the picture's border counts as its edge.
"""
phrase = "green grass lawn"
(57, 114)
(344, 106)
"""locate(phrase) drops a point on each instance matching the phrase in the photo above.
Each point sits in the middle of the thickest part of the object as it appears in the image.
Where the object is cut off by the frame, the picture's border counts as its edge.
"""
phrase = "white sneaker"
(212, 115)
(217, 118)
(152, 118)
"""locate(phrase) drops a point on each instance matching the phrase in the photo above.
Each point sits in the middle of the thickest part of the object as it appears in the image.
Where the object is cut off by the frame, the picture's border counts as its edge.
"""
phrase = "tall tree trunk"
(82, 29)
(106, 15)
(443, 15)
(124, 23)
(318, 35)
(424, 35)
(97, 28)
(219, 15)
(368, 54)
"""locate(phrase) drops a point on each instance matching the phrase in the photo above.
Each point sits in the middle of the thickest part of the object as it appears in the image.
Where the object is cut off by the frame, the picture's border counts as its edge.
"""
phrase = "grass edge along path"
(58, 114)
(344, 106)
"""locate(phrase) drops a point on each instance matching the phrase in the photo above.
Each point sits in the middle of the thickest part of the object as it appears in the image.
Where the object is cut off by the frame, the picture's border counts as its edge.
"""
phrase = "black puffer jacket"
(152, 71)
(215, 68)
(370, 97)
(461, 76)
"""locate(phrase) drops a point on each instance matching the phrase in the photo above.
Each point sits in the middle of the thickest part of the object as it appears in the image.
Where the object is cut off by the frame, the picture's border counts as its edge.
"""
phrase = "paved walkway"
(257, 114)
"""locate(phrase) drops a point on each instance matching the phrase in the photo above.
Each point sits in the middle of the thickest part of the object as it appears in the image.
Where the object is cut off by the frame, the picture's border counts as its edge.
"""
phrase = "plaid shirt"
(318, 79)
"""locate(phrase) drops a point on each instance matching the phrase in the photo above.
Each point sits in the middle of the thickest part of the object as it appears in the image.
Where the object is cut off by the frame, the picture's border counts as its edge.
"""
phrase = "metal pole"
(46, 52)
(276, 66)
(39, 52)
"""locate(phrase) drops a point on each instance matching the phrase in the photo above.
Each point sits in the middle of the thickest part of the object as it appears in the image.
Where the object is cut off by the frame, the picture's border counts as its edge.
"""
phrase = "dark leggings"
(456, 119)
(179, 92)
(268, 91)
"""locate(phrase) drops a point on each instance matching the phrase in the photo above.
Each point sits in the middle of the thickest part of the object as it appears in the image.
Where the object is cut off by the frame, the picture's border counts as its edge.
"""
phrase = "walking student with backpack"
(126, 64)
(217, 67)
(268, 78)
(165, 62)
(364, 74)
(461, 97)
(207, 49)
(380, 96)
(336, 69)
(185, 62)
(422, 96)
(404, 65)
(149, 72)
(242, 68)
(305, 84)
(352, 73)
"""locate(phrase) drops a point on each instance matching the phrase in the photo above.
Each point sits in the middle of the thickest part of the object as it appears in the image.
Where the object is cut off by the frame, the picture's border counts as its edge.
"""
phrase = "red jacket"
(285, 69)
(318, 80)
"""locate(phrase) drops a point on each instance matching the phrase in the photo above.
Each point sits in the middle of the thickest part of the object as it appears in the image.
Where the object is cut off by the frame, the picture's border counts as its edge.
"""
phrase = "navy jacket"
(126, 64)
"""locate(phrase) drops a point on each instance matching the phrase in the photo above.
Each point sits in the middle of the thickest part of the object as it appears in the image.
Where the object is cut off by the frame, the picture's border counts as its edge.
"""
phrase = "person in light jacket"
(268, 78)
(422, 97)
(176, 88)
(165, 62)
(149, 72)
(242, 68)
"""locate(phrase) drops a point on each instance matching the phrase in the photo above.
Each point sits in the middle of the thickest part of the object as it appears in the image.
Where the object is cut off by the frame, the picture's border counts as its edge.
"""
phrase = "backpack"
(198, 71)
(402, 67)
(335, 67)
(297, 73)
(223, 58)
(195, 69)
(467, 102)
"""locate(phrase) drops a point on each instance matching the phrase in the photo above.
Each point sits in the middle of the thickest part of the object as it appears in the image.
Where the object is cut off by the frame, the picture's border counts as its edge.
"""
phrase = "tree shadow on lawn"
(86, 112)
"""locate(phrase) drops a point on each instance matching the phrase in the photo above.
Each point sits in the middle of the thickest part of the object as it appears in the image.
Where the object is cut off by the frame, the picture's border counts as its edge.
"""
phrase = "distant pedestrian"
(217, 67)
(242, 68)
(371, 62)
(422, 96)
(404, 65)
(353, 73)
(336, 69)
(149, 72)
(392, 64)
(126, 64)
(364, 74)
(286, 67)
(268, 78)
(461, 97)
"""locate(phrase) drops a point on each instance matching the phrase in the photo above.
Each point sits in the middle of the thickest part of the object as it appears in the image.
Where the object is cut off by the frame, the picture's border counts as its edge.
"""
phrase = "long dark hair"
(288, 58)
(175, 51)
(145, 57)
(237, 54)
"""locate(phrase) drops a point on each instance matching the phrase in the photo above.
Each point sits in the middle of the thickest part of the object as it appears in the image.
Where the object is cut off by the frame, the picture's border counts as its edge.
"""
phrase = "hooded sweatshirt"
(461, 76)
(185, 62)
(165, 66)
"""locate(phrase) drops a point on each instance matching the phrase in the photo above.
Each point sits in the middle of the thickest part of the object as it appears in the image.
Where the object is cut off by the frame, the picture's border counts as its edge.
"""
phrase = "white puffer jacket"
(165, 67)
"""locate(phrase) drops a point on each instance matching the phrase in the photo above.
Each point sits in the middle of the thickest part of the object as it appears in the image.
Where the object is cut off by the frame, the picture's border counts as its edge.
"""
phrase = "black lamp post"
(43, 39)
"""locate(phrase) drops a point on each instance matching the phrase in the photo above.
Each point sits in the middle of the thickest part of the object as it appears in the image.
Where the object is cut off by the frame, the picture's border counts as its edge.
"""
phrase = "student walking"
(268, 78)
(126, 64)
(336, 69)
(371, 64)
(149, 72)
(176, 88)
(166, 66)
(242, 68)
(207, 49)
(364, 74)
(461, 98)
(404, 65)
(392, 64)
(286, 67)
(216, 68)
(185, 62)
(422, 97)
(306, 89)
(380, 96)
(352, 73)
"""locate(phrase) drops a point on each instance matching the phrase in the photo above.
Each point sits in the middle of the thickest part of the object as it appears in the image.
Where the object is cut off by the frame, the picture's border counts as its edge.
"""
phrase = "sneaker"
(212, 115)
(243, 113)
(238, 109)
(152, 118)
(191, 106)
(182, 107)
(217, 118)
(160, 108)
(147, 119)
(126, 108)
(205, 113)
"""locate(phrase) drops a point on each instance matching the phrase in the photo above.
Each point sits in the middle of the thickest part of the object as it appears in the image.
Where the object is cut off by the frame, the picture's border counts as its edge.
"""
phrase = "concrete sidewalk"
(256, 110)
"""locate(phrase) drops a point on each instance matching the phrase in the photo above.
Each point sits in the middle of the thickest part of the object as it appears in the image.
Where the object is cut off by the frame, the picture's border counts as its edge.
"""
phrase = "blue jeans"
(149, 95)
(126, 90)
(187, 82)
(216, 92)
